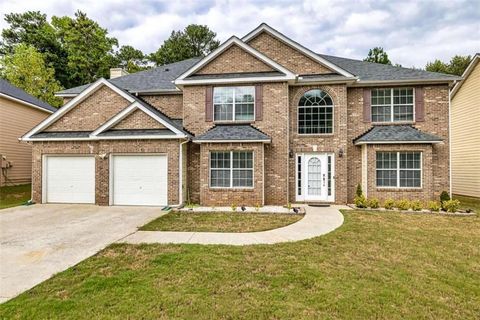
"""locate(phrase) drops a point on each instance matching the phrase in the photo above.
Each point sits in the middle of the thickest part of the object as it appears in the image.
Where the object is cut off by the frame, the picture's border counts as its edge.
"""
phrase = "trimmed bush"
(359, 191)
(389, 204)
(360, 201)
(373, 203)
(416, 205)
(444, 196)
(434, 206)
(451, 205)
(402, 204)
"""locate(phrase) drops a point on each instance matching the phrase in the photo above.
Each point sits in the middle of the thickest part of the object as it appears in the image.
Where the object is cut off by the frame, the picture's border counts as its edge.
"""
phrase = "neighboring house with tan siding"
(19, 111)
(465, 126)
(260, 120)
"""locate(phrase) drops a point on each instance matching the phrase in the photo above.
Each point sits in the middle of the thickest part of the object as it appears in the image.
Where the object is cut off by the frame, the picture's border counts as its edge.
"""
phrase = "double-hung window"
(392, 105)
(234, 103)
(231, 169)
(399, 169)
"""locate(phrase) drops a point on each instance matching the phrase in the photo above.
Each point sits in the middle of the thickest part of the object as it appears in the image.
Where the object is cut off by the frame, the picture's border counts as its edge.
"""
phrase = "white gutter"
(366, 83)
(96, 138)
(397, 142)
(231, 141)
(6, 96)
(449, 143)
(180, 174)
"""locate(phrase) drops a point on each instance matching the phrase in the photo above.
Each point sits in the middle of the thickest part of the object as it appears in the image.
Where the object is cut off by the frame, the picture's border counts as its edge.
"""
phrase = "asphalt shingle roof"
(159, 78)
(10, 90)
(62, 134)
(243, 132)
(392, 133)
(370, 71)
(136, 132)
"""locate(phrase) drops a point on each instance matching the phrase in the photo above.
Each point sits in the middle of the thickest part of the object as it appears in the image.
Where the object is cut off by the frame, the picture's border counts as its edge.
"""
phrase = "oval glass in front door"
(314, 177)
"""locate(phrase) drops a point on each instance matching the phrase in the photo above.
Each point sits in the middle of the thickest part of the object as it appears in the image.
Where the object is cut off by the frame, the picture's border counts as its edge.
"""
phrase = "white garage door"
(69, 179)
(139, 180)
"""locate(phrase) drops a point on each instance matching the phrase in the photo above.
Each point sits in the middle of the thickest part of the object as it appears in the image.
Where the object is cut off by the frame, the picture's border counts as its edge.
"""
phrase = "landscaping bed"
(375, 266)
(200, 221)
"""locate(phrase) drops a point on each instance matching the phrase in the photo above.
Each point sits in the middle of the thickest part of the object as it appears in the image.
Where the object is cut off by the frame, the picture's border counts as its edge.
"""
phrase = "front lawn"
(220, 221)
(376, 266)
(12, 196)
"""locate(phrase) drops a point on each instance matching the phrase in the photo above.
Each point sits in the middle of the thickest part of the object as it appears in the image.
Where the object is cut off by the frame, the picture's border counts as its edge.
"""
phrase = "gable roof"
(14, 93)
(233, 133)
(391, 134)
(183, 78)
(473, 63)
(266, 28)
(377, 72)
(136, 103)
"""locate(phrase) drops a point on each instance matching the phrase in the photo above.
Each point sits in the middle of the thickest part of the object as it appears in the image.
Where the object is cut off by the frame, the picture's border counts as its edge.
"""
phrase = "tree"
(377, 55)
(131, 59)
(90, 52)
(32, 28)
(26, 69)
(194, 41)
(456, 66)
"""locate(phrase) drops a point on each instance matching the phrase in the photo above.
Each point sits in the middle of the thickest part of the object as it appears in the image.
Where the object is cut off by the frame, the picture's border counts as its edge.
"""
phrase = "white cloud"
(413, 32)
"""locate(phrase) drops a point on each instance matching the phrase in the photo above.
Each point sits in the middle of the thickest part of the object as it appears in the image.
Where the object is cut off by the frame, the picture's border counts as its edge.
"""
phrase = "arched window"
(315, 113)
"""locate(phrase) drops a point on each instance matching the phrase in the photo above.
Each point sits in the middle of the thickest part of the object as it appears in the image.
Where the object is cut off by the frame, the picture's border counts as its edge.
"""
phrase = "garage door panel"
(70, 179)
(139, 180)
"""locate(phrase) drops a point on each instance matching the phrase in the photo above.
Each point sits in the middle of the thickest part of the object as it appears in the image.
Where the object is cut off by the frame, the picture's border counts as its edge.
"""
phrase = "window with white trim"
(231, 169)
(315, 113)
(399, 169)
(234, 103)
(392, 105)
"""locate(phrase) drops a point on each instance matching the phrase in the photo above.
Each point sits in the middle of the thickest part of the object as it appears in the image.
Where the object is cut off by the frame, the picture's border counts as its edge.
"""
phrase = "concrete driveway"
(38, 241)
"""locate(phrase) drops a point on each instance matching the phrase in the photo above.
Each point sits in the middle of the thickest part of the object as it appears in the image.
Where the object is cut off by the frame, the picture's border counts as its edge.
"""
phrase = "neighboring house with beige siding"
(19, 111)
(465, 126)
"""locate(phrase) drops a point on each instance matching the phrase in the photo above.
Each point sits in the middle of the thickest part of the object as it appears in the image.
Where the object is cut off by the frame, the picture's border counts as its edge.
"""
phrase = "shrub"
(416, 205)
(389, 204)
(451, 205)
(257, 207)
(373, 203)
(234, 207)
(360, 201)
(444, 196)
(434, 206)
(402, 204)
(359, 191)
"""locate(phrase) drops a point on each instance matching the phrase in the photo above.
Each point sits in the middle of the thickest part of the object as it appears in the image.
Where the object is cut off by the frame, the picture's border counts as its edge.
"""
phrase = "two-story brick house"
(261, 120)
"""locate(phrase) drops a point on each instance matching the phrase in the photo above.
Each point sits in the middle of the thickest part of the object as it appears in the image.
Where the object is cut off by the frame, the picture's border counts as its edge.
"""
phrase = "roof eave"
(234, 141)
(465, 75)
(367, 83)
(181, 83)
(398, 142)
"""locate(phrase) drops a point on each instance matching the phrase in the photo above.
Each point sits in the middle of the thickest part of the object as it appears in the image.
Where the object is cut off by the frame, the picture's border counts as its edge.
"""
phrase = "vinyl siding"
(465, 124)
(15, 120)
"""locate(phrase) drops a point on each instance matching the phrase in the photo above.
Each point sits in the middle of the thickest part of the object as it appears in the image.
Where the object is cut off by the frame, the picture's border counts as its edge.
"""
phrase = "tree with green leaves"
(194, 41)
(32, 28)
(131, 59)
(26, 69)
(378, 55)
(456, 66)
(90, 52)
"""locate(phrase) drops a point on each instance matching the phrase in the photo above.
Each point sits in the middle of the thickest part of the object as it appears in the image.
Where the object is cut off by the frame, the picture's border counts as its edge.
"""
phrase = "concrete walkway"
(317, 221)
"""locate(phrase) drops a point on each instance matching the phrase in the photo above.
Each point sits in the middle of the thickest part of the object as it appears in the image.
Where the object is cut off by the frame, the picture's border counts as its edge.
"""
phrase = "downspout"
(180, 174)
(450, 142)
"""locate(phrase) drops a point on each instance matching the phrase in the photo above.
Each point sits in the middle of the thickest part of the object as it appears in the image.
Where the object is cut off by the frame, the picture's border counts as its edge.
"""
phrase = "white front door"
(315, 177)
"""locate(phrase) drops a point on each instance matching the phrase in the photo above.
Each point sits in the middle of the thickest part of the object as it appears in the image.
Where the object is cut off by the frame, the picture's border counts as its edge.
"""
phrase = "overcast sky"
(412, 32)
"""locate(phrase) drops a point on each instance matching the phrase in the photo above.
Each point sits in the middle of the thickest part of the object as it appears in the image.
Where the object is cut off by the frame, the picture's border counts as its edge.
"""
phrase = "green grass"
(468, 203)
(375, 266)
(14, 195)
(220, 221)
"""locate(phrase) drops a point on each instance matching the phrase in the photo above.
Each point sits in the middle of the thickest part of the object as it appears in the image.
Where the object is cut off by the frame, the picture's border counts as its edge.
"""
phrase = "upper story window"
(234, 103)
(392, 105)
(315, 113)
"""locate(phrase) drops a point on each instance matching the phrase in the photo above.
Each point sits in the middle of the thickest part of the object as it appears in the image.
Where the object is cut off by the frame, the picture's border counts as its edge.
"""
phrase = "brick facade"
(170, 104)
(92, 112)
(138, 120)
(235, 59)
(97, 148)
(232, 196)
(286, 56)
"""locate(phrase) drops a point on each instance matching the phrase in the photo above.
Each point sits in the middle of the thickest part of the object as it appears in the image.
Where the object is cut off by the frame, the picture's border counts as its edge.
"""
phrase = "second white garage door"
(139, 180)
